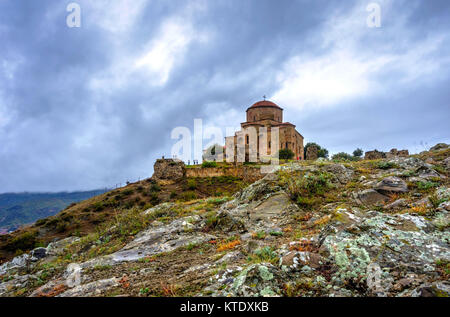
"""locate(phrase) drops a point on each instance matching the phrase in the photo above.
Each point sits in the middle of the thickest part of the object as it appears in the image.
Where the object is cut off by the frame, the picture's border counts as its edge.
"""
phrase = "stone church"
(257, 138)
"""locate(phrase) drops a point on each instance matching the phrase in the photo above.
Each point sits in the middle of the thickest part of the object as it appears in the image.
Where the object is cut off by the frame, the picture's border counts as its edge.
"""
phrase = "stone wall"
(247, 173)
(375, 155)
(173, 169)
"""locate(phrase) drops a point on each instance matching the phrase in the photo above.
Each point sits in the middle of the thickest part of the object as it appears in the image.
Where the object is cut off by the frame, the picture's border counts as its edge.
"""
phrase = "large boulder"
(371, 197)
(440, 146)
(169, 169)
(446, 164)
(312, 153)
(391, 184)
(343, 174)
(427, 173)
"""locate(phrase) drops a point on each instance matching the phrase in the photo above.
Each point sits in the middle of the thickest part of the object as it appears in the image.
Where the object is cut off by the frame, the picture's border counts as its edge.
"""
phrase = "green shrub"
(155, 188)
(186, 196)
(98, 206)
(62, 226)
(385, 165)
(426, 185)
(304, 189)
(265, 254)
(127, 192)
(24, 241)
(41, 222)
(436, 201)
(211, 220)
(358, 152)
(154, 199)
(342, 156)
(191, 184)
(209, 164)
(285, 154)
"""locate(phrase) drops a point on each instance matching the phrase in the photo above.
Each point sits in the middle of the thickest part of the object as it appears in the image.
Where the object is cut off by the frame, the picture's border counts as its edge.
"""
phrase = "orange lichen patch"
(420, 209)
(287, 229)
(306, 217)
(302, 246)
(322, 221)
(228, 246)
(58, 289)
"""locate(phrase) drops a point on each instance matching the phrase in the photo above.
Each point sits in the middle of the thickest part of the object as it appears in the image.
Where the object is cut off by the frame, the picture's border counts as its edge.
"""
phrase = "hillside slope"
(17, 209)
(366, 228)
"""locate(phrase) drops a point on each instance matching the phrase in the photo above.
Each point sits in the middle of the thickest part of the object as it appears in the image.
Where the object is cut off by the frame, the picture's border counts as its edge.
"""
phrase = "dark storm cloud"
(76, 112)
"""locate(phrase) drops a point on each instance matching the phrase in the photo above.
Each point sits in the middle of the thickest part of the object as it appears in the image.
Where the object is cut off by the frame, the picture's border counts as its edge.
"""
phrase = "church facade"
(263, 134)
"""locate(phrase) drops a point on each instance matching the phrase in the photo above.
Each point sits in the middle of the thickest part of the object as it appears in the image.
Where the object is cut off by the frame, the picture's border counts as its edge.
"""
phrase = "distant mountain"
(17, 209)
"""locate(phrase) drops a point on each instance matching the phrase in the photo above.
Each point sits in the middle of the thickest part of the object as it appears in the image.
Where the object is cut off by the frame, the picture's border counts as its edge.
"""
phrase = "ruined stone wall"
(247, 173)
(375, 155)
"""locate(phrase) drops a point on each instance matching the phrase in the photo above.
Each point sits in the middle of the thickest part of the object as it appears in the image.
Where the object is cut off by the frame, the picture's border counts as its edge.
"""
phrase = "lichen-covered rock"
(371, 197)
(57, 247)
(343, 174)
(426, 172)
(446, 164)
(295, 260)
(91, 289)
(391, 184)
(399, 244)
(408, 163)
(399, 203)
(440, 146)
(20, 262)
(155, 240)
(257, 280)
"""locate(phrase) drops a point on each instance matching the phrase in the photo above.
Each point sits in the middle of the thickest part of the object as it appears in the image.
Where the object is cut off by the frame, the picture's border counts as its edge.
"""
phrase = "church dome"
(264, 103)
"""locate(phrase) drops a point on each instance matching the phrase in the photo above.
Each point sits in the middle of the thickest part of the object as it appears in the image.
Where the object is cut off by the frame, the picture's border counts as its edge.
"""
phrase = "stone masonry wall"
(247, 173)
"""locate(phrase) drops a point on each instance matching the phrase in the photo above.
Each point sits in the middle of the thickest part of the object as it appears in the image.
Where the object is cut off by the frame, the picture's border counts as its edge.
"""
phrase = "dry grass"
(228, 245)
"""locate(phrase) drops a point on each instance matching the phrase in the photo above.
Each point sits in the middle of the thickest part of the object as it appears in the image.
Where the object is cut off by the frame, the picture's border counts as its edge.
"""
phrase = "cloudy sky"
(89, 107)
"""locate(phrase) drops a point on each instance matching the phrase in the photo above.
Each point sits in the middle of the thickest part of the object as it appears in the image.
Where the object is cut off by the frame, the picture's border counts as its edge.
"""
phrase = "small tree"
(286, 154)
(322, 153)
(342, 156)
(358, 152)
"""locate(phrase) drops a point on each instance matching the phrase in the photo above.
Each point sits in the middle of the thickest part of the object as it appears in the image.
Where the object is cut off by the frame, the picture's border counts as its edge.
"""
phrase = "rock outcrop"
(312, 153)
(169, 169)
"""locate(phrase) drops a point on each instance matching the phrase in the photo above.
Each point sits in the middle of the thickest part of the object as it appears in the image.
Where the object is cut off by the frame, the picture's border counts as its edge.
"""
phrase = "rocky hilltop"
(317, 228)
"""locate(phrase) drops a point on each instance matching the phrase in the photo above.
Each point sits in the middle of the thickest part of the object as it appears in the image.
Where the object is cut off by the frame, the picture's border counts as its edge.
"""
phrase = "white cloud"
(350, 70)
(167, 49)
(326, 80)
(116, 16)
